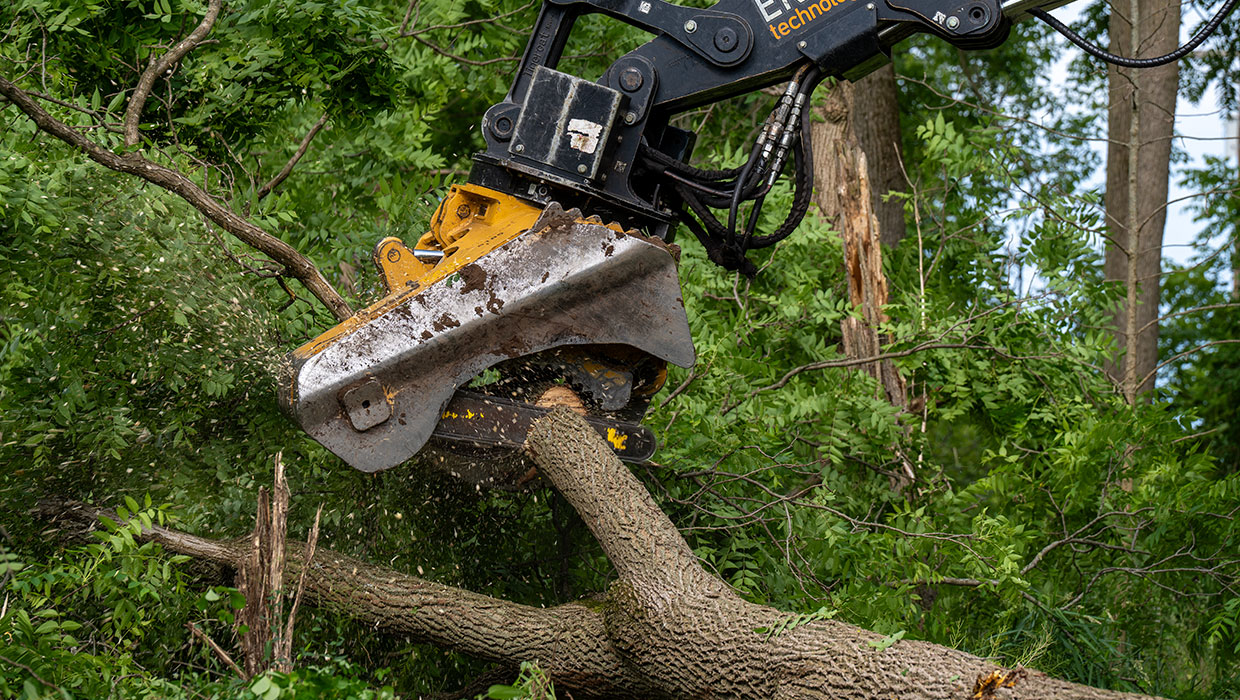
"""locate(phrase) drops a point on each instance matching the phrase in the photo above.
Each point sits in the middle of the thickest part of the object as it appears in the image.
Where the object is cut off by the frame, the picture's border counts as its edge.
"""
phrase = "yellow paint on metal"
(397, 265)
(469, 223)
(616, 439)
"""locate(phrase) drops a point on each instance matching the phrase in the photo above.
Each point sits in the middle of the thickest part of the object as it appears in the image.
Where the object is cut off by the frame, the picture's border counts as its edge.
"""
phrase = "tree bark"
(864, 116)
(863, 264)
(569, 641)
(1141, 121)
(667, 628)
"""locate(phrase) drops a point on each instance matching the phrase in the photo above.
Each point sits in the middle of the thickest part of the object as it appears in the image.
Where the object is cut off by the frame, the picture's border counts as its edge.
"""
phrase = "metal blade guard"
(372, 389)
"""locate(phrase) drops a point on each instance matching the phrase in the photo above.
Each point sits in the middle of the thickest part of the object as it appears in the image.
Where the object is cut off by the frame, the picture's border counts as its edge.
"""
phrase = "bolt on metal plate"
(366, 405)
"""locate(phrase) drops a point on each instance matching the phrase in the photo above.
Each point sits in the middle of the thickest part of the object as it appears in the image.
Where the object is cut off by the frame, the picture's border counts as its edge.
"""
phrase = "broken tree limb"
(569, 641)
(691, 636)
(667, 629)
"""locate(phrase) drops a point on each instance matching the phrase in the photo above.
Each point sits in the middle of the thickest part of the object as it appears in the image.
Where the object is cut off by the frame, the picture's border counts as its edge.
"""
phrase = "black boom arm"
(607, 145)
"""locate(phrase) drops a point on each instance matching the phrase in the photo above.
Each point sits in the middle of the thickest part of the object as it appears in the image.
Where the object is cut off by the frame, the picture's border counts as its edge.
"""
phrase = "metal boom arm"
(562, 137)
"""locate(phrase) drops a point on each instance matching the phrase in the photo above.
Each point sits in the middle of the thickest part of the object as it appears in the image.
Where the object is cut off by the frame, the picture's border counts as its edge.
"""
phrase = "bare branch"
(219, 651)
(462, 59)
(483, 20)
(285, 652)
(408, 13)
(1193, 310)
(922, 347)
(296, 264)
(1074, 536)
(133, 112)
(33, 675)
(292, 162)
(1184, 354)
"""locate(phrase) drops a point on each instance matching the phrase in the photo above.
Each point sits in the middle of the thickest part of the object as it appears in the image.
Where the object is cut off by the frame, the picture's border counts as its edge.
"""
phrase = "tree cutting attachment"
(495, 279)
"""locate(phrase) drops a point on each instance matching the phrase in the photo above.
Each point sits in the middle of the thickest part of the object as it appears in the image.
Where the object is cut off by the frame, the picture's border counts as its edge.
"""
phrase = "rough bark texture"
(1141, 123)
(256, 582)
(569, 641)
(667, 629)
(865, 115)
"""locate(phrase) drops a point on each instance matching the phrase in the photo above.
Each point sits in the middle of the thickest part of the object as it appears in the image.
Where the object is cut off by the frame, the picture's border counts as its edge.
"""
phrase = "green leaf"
(261, 685)
(885, 642)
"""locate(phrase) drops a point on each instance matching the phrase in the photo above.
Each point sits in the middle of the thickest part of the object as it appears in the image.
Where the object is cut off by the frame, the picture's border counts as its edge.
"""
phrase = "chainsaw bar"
(491, 421)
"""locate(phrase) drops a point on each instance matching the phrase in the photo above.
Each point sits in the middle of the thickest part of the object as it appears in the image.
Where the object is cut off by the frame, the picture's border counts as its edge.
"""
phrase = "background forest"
(1028, 494)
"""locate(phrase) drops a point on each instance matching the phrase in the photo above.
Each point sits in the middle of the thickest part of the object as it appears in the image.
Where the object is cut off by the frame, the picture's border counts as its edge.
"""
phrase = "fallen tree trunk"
(667, 628)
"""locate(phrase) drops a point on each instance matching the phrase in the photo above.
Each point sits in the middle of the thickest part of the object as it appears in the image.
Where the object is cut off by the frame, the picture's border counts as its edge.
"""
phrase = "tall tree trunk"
(856, 160)
(1140, 127)
(876, 123)
(667, 629)
(864, 115)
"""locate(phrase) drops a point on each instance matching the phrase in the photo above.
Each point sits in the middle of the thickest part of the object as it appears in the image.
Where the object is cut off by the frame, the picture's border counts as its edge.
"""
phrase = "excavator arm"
(554, 264)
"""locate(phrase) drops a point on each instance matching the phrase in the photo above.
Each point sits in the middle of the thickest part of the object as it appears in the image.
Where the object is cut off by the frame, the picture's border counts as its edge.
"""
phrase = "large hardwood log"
(666, 629)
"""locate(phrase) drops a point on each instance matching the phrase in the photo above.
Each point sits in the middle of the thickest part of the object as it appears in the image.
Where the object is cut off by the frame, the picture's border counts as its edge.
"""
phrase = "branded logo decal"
(795, 18)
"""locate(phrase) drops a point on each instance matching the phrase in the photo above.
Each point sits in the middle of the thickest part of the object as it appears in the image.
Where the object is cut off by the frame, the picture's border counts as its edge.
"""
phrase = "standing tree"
(1140, 126)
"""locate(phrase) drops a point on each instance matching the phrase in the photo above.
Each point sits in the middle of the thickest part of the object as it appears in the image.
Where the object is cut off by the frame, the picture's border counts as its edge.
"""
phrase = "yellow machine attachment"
(496, 281)
(469, 223)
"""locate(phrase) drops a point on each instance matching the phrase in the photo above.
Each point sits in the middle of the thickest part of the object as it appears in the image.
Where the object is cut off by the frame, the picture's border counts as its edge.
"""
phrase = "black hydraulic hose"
(688, 182)
(1098, 52)
(803, 163)
(684, 168)
(738, 190)
(753, 181)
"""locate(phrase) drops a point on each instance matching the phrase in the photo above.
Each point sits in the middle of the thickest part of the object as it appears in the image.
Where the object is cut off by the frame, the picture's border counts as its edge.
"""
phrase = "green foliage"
(1021, 443)
(794, 621)
(1203, 309)
(74, 627)
(138, 349)
(531, 684)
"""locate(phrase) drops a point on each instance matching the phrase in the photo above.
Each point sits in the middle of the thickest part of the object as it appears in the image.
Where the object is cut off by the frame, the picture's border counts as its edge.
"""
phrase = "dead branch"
(216, 648)
(292, 162)
(569, 641)
(284, 650)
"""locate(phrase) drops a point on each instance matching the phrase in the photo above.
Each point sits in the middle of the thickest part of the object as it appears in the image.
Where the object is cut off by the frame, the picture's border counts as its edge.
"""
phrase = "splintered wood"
(267, 639)
(863, 262)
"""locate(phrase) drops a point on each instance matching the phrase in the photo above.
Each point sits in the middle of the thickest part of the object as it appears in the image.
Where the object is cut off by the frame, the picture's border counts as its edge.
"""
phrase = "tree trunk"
(865, 115)
(852, 116)
(863, 263)
(667, 628)
(1140, 127)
